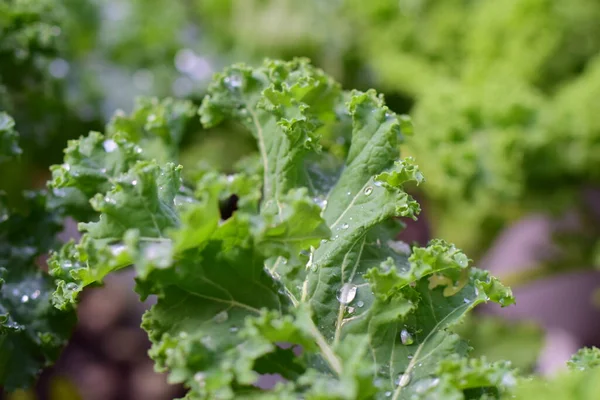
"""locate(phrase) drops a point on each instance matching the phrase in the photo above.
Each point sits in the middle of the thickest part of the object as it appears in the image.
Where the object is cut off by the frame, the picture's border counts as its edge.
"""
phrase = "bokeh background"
(504, 97)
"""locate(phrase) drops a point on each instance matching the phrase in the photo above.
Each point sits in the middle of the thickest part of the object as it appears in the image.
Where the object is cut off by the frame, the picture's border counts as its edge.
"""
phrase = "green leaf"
(9, 138)
(139, 209)
(291, 266)
(579, 382)
(585, 358)
(32, 331)
(156, 126)
(89, 164)
(575, 385)
(283, 105)
(153, 131)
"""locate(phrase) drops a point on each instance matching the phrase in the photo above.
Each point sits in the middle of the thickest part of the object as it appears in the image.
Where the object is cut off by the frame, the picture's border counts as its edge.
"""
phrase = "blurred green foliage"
(502, 93)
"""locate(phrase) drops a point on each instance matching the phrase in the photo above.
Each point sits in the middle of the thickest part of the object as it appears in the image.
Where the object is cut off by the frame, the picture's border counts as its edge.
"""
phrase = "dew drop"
(200, 378)
(403, 380)
(233, 81)
(406, 337)
(109, 145)
(117, 249)
(233, 329)
(347, 293)
(509, 380)
(322, 203)
(349, 193)
(221, 317)
(350, 310)
(399, 247)
(466, 301)
(388, 393)
(360, 304)
(24, 298)
(35, 295)
(134, 182)
(345, 226)
(368, 191)
(71, 286)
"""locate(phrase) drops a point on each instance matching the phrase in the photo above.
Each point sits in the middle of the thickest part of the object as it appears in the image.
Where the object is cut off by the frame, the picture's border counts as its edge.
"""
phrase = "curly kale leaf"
(302, 277)
(32, 331)
(9, 146)
(579, 382)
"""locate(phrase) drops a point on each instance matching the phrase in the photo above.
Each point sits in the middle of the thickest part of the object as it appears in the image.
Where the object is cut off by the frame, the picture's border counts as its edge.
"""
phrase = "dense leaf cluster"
(304, 279)
(494, 88)
(288, 268)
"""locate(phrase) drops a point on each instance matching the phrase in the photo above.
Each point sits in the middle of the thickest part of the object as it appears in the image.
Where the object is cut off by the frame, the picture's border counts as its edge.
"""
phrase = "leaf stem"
(327, 352)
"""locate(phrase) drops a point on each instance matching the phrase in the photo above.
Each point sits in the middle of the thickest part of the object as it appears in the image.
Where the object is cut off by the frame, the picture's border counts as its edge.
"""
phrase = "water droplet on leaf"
(233, 81)
(509, 380)
(221, 317)
(399, 247)
(200, 377)
(360, 304)
(109, 145)
(368, 191)
(322, 203)
(24, 298)
(345, 226)
(117, 249)
(406, 337)
(347, 293)
(403, 380)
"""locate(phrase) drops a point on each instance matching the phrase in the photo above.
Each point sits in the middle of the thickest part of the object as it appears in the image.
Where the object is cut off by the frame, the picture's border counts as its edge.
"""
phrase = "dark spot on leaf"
(228, 206)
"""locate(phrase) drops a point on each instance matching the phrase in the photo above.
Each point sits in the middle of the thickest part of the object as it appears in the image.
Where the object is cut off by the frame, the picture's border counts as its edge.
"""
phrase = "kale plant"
(288, 268)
